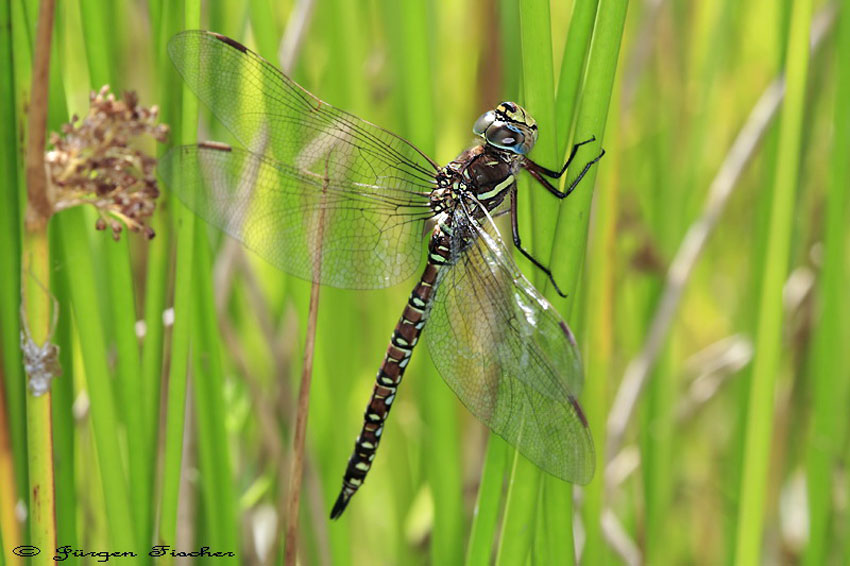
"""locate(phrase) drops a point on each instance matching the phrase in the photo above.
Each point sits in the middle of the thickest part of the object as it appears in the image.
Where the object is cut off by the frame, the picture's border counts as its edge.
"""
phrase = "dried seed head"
(92, 162)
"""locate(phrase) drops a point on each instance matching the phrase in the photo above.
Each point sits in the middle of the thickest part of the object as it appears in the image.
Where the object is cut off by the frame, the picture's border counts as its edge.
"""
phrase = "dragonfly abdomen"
(403, 340)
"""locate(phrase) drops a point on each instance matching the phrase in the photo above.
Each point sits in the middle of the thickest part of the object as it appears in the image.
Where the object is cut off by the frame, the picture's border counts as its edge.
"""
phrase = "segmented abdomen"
(403, 340)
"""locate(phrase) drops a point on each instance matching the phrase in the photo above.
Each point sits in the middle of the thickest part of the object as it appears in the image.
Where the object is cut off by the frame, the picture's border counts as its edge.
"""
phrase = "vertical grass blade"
(115, 418)
(96, 42)
(498, 456)
(65, 441)
(518, 526)
(570, 236)
(539, 99)
(165, 22)
(768, 344)
(568, 248)
(557, 500)
(573, 68)
(599, 336)
(13, 475)
(485, 518)
(520, 521)
(121, 317)
(183, 299)
(830, 363)
(65, 444)
(566, 266)
(264, 28)
(105, 419)
(442, 465)
(569, 243)
(214, 452)
(35, 275)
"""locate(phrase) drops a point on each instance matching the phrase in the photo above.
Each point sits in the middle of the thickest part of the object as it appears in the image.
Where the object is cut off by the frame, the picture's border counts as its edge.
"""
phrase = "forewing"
(271, 114)
(509, 356)
(306, 224)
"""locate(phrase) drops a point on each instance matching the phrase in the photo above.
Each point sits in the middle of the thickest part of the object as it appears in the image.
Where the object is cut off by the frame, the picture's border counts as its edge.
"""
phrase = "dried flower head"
(92, 162)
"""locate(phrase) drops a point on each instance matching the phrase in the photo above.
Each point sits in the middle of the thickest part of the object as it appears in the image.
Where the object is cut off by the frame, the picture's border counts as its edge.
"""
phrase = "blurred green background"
(707, 288)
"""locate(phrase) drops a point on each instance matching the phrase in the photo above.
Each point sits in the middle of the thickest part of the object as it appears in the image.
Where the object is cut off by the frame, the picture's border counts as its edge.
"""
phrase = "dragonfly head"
(508, 127)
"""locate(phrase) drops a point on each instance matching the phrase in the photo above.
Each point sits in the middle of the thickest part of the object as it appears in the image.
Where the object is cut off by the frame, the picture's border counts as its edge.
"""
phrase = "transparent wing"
(508, 355)
(271, 114)
(303, 156)
(308, 224)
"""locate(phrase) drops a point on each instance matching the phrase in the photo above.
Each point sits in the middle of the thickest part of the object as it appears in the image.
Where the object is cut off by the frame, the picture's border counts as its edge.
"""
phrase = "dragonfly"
(334, 199)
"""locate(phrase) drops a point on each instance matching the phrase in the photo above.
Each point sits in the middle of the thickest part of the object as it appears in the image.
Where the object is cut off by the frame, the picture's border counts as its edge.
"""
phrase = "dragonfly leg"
(573, 151)
(518, 244)
(539, 172)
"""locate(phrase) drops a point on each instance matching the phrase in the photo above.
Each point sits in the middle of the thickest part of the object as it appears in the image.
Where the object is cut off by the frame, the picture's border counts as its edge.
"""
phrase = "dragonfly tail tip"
(340, 505)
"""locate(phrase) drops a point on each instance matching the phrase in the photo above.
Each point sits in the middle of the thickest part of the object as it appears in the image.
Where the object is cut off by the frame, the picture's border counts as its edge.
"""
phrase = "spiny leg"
(523, 251)
(538, 172)
(573, 151)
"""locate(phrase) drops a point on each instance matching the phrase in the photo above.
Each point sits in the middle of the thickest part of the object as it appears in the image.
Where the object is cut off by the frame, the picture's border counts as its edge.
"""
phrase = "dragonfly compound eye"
(483, 123)
(511, 137)
(508, 127)
(504, 136)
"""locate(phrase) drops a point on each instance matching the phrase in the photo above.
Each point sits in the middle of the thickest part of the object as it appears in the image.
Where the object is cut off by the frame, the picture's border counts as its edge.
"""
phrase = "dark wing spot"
(231, 42)
(578, 409)
(218, 146)
(569, 333)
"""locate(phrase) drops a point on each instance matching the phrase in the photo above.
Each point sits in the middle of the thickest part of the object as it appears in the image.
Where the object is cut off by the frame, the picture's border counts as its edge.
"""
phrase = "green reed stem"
(65, 442)
(442, 466)
(265, 31)
(768, 344)
(165, 21)
(485, 518)
(13, 463)
(518, 526)
(598, 351)
(104, 413)
(573, 67)
(519, 523)
(830, 362)
(37, 301)
(569, 244)
(95, 41)
(181, 331)
(214, 459)
(539, 99)
(566, 265)
(568, 248)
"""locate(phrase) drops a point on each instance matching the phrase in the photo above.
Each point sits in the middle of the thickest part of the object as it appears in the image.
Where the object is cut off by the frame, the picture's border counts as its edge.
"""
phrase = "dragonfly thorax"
(483, 173)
